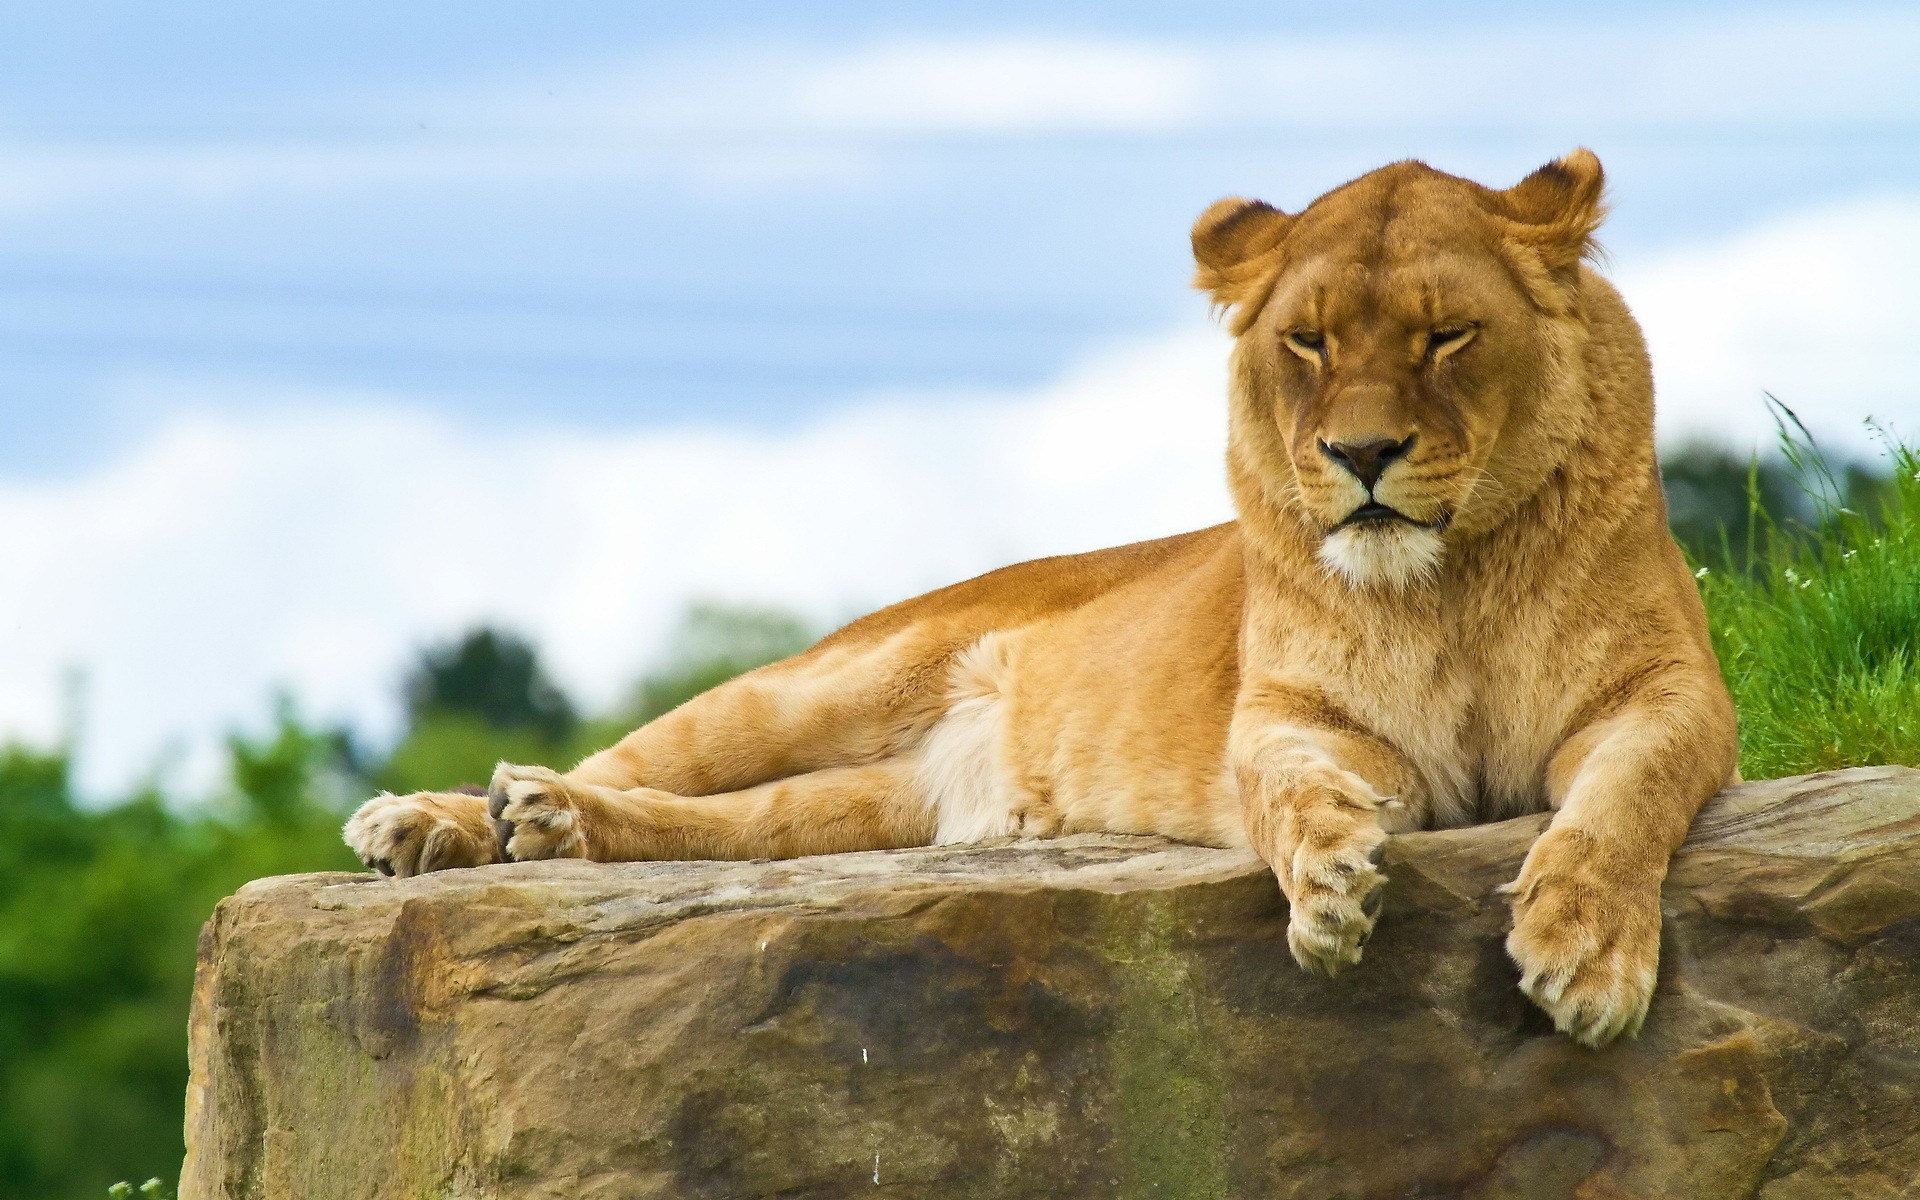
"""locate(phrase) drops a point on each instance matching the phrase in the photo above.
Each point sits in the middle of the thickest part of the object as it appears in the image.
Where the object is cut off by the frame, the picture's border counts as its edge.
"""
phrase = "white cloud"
(1819, 308)
(37, 179)
(736, 117)
(50, 176)
(731, 122)
(1784, 68)
(320, 547)
(1023, 85)
(319, 543)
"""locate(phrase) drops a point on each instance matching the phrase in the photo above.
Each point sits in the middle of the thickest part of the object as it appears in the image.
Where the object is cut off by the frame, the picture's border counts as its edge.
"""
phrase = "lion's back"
(1037, 590)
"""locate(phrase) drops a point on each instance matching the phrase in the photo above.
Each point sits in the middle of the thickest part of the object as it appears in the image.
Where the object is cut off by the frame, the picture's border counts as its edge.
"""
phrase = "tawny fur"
(1524, 636)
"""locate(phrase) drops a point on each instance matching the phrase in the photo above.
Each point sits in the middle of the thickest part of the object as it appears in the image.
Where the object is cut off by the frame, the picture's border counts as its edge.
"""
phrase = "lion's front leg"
(1586, 904)
(425, 831)
(874, 806)
(1320, 823)
(1586, 933)
(1325, 851)
(541, 813)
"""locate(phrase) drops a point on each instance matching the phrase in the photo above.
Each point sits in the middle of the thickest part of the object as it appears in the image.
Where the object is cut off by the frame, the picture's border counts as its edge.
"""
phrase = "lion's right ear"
(1231, 241)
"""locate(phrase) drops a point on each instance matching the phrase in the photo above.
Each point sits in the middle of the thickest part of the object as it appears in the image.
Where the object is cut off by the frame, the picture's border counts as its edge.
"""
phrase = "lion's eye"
(1310, 343)
(1447, 339)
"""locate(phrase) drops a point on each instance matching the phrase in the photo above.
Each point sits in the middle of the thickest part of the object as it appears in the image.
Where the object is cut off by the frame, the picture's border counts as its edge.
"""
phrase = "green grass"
(1817, 634)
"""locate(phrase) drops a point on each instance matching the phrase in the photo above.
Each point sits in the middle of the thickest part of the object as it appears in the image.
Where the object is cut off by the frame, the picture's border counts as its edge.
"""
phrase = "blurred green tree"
(1712, 493)
(495, 676)
(472, 702)
(1707, 503)
(100, 909)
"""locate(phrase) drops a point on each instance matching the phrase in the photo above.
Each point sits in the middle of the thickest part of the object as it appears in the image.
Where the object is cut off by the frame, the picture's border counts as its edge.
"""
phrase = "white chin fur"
(1389, 554)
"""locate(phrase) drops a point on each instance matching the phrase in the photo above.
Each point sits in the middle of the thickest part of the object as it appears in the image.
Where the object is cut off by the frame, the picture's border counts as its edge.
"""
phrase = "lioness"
(1450, 596)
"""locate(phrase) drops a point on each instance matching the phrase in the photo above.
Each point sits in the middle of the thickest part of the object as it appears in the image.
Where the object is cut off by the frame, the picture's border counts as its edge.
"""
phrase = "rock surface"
(1092, 1016)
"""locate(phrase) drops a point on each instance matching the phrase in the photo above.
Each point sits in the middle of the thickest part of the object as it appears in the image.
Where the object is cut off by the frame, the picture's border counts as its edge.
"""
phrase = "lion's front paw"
(426, 831)
(1330, 872)
(539, 813)
(1586, 935)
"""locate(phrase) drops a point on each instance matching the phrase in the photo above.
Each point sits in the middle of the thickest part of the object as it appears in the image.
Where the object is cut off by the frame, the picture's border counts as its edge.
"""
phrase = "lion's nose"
(1369, 457)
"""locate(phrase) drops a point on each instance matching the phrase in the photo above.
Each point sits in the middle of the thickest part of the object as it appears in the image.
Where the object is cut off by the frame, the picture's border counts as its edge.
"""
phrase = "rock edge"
(1093, 1015)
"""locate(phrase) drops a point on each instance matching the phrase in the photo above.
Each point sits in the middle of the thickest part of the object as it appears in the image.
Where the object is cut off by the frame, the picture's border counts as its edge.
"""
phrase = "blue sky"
(290, 294)
(614, 214)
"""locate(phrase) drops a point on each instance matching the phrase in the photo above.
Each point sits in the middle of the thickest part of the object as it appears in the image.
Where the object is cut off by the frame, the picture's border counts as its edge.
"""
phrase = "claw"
(1374, 901)
(1549, 986)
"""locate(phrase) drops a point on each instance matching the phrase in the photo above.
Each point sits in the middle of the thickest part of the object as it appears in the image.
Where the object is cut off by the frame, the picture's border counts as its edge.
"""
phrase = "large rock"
(1093, 1016)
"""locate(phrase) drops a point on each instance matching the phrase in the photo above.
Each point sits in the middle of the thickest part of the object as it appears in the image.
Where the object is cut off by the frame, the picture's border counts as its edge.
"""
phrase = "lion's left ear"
(1556, 210)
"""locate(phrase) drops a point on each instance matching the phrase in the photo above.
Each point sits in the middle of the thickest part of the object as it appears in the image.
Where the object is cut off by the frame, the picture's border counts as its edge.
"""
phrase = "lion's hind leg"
(875, 806)
(839, 705)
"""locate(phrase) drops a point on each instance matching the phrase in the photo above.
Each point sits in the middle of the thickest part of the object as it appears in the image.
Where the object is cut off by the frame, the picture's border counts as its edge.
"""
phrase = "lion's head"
(1408, 351)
